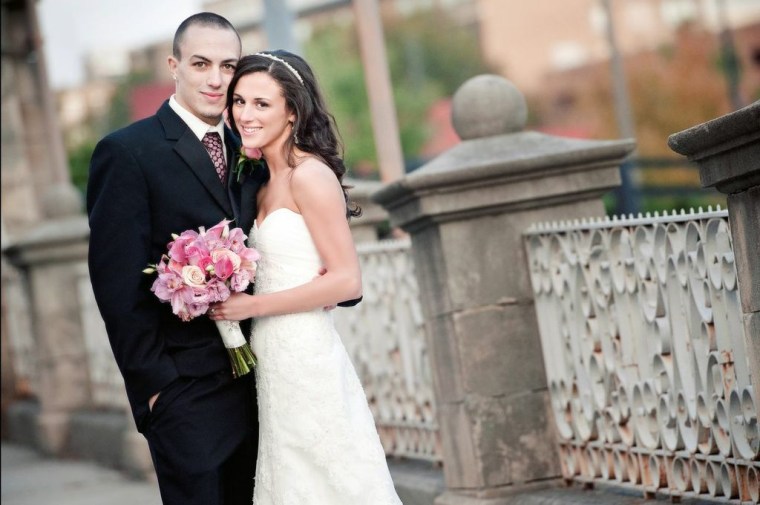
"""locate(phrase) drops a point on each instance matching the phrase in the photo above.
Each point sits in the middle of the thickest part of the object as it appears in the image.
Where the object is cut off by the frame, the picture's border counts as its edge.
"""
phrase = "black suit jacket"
(147, 181)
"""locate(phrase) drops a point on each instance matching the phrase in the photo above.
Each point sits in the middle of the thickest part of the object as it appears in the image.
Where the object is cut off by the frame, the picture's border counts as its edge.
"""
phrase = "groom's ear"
(172, 62)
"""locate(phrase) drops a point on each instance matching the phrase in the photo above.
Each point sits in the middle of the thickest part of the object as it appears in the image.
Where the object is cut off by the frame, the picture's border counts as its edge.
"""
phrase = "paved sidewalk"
(29, 479)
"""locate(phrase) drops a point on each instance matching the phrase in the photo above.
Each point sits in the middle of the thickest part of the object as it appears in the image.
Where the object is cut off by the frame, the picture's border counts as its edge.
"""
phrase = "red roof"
(443, 136)
(145, 99)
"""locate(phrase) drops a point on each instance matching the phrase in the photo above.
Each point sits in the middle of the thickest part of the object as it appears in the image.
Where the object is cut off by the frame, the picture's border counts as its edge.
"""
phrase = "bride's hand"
(323, 271)
(236, 308)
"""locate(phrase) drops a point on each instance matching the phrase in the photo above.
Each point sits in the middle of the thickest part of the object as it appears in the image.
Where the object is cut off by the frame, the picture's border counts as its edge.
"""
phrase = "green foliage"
(431, 46)
(119, 112)
(117, 116)
(333, 55)
(79, 163)
(429, 57)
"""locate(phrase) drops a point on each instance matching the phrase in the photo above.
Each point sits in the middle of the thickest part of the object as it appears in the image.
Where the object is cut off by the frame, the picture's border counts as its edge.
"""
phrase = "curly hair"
(314, 126)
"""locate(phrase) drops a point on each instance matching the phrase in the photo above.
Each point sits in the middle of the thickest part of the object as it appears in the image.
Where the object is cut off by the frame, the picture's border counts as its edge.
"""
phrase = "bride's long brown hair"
(314, 127)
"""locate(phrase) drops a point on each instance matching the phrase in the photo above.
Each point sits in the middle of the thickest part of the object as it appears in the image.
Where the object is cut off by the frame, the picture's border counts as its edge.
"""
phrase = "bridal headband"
(287, 65)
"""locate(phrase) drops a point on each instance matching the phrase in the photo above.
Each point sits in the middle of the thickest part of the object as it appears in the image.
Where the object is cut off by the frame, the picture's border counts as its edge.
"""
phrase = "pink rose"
(218, 254)
(195, 253)
(252, 153)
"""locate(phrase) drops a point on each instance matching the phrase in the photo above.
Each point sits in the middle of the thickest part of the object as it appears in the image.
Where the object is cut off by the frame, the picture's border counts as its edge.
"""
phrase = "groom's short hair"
(202, 19)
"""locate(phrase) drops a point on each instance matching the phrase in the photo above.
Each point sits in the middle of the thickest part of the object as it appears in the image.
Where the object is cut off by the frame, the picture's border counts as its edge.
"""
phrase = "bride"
(317, 439)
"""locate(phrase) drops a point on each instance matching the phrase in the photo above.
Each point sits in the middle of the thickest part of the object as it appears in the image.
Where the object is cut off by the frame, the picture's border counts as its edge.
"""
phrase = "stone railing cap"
(705, 139)
(523, 154)
(361, 188)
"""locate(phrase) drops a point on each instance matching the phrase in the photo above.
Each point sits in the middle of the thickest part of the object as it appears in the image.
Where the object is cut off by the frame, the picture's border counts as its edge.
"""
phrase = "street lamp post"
(379, 90)
(729, 60)
(628, 198)
(278, 25)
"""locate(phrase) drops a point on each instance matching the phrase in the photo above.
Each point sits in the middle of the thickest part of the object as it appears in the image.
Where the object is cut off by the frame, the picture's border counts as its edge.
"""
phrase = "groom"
(147, 181)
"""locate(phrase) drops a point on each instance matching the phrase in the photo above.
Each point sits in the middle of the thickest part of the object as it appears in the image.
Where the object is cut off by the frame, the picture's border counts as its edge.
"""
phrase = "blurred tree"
(674, 88)
(119, 114)
(79, 163)
(115, 117)
(429, 54)
(677, 88)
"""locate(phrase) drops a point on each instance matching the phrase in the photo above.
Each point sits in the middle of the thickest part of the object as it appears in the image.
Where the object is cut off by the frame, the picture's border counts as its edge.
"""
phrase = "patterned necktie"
(213, 143)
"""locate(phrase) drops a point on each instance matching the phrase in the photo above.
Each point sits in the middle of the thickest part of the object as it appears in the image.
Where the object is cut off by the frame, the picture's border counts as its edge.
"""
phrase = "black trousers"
(202, 434)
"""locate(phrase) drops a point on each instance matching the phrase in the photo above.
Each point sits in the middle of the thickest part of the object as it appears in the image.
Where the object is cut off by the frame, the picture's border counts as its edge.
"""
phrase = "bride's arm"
(319, 197)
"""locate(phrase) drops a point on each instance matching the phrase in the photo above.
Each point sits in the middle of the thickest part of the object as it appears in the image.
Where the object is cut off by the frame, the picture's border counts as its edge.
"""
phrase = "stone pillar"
(47, 256)
(465, 211)
(727, 151)
(366, 227)
(25, 168)
(7, 375)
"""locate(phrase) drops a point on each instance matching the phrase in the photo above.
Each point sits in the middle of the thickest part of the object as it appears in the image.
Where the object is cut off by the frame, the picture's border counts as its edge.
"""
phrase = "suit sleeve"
(118, 206)
(350, 303)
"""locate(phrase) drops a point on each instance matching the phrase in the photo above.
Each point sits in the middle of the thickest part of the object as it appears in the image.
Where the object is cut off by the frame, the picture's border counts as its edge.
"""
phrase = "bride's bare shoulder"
(314, 179)
(312, 170)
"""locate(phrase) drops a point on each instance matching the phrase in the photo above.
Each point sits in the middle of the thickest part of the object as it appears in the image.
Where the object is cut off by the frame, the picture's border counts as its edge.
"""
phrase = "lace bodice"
(288, 255)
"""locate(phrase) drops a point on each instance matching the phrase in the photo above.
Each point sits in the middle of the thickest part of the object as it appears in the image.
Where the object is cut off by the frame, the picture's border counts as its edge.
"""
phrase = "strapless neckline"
(263, 221)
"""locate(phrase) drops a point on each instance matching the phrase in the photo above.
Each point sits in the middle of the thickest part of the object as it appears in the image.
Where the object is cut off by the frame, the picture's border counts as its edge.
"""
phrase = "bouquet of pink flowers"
(204, 267)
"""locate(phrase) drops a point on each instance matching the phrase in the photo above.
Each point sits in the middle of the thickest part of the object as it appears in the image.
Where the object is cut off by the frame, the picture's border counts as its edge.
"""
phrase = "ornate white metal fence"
(385, 337)
(642, 337)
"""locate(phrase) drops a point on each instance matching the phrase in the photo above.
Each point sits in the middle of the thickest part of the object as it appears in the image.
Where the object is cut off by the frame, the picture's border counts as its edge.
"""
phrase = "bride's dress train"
(317, 438)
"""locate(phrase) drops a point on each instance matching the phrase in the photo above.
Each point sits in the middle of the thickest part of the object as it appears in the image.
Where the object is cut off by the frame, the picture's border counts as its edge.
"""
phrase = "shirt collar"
(197, 126)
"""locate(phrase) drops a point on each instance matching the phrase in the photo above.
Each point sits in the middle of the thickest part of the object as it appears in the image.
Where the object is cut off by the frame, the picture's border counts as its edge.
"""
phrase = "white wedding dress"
(317, 438)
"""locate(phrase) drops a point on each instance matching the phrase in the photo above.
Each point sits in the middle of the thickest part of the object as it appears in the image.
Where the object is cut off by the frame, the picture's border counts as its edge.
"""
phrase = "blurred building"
(547, 48)
(248, 18)
(81, 110)
(530, 42)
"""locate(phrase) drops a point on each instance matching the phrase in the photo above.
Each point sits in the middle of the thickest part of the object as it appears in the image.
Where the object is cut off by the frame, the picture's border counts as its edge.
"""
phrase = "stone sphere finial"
(61, 200)
(488, 105)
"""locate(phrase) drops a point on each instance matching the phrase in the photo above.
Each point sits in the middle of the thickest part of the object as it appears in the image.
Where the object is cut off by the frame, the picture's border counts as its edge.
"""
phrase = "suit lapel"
(242, 193)
(248, 192)
(195, 156)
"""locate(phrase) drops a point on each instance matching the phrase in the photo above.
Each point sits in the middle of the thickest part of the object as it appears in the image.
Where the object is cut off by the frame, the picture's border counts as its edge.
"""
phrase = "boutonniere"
(249, 159)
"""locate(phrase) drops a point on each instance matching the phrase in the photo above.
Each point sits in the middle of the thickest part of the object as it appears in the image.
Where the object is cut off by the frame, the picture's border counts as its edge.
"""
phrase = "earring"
(295, 138)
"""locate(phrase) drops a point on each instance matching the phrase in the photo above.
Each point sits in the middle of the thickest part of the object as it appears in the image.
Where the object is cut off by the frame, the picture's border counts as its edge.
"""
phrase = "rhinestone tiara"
(287, 65)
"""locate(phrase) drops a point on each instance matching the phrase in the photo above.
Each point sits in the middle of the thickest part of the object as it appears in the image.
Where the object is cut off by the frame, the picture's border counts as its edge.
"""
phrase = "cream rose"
(193, 276)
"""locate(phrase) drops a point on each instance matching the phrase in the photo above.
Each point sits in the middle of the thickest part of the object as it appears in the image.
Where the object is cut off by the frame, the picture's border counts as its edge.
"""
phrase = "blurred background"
(597, 69)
